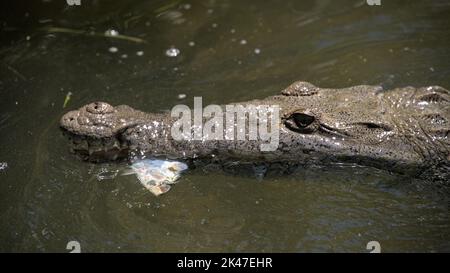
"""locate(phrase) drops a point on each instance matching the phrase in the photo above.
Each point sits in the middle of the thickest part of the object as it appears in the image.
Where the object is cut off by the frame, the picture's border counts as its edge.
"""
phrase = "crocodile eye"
(300, 122)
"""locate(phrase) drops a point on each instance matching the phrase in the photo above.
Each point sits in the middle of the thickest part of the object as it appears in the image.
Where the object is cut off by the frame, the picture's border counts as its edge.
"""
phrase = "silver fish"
(156, 175)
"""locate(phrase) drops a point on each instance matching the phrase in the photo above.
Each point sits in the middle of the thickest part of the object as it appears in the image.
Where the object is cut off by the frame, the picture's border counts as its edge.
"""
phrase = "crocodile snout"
(69, 120)
(97, 119)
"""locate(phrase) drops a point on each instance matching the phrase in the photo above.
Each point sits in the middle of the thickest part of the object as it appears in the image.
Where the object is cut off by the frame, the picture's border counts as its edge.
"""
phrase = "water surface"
(228, 51)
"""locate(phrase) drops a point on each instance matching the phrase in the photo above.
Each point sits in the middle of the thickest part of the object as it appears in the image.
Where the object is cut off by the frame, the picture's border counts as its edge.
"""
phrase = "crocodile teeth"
(116, 145)
(96, 151)
(83, 145)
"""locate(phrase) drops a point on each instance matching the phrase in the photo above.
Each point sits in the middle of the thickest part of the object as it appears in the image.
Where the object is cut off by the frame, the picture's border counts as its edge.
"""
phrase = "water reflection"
(224, 51)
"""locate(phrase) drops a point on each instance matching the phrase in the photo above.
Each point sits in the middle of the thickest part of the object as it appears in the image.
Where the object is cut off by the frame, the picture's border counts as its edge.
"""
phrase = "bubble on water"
(191, 43)
(113, 49)
(172, 52)
(243, 42)
(111, 32)
(140, 53)
(257, 50)
(181, 96)
(3, 166)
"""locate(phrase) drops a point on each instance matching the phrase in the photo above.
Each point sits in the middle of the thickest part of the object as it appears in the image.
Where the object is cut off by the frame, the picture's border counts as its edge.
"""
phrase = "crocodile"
(402, 130)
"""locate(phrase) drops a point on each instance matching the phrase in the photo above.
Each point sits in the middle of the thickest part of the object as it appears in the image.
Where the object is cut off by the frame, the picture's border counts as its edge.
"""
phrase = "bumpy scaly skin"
(404, 130)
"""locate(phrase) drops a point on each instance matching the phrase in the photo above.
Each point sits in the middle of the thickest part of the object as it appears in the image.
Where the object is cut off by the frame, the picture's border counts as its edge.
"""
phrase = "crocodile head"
(394, 129)
(390, 129)
(95, 130)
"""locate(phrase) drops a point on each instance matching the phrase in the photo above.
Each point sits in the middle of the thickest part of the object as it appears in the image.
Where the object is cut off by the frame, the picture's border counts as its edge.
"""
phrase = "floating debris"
(91, 33)
(174, 16)
(181, 96)
(44, 21)
(257, 50)
(66, 100)
(172, 52)
(243, 42)
(191, 43)
(156, 175)
(168, 6)
(3, 166)
(140, 53)
(10, 68)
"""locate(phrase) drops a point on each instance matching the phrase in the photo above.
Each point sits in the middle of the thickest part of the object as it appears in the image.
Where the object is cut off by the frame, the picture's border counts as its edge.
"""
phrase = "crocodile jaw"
(95, 149)
(94, 131)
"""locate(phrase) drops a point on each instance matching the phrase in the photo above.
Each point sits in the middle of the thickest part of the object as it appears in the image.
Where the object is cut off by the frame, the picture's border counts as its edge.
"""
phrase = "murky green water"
(229, 51)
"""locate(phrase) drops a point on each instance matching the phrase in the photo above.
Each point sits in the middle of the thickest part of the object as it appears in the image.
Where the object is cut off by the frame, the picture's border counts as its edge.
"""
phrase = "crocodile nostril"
(99, 108)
